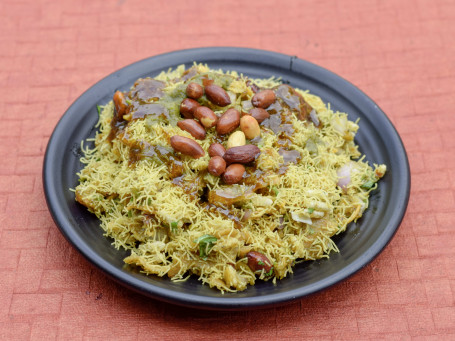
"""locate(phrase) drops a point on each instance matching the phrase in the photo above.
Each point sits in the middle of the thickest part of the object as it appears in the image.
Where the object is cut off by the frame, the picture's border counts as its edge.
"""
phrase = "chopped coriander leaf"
(98, 108)
(174, 225)
(205, 245)
(275, 190)
(261, 262)
(130, 213)
(135, 192)
(270, 273)
(149, 201)
(310, 210)
(368, 184)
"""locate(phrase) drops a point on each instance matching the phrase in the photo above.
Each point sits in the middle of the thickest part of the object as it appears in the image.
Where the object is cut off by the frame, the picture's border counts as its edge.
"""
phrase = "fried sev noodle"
(291, 219)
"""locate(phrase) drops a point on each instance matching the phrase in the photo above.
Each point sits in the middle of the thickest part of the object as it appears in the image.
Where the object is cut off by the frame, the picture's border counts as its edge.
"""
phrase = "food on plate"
(209, 173)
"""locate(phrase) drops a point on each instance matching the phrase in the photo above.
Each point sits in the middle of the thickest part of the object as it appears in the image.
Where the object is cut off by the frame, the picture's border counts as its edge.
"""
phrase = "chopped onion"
(281, 226)
(314, 118)
(301, 217)
(259, 200)
(246, 215)
(340, 124)
(232, 96)
(246, 105)
(344, 174)
(227, 196)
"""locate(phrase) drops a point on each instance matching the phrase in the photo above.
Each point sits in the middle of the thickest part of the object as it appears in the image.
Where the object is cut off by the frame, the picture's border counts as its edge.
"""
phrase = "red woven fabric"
(401, 53)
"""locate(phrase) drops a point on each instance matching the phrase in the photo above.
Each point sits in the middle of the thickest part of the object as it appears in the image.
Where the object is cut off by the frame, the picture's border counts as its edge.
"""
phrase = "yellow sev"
(160, 222)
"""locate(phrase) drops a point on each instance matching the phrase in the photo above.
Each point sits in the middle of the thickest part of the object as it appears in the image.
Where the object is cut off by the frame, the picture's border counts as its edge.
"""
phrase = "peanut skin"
(193, 127)
(228, 122)
(233, 173)
(263, 99)
(217, 95)
(216, 166)
(194, 90)
(188, 106)
(242, 154)
(206, 116)
(216, 149)
(187, 146)
(258, 262)
(259, 114)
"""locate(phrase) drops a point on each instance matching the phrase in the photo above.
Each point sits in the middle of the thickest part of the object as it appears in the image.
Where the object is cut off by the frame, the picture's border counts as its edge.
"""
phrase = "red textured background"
(401, 53)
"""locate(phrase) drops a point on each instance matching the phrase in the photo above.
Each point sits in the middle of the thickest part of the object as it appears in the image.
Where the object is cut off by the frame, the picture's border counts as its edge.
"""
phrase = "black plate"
(361, 243)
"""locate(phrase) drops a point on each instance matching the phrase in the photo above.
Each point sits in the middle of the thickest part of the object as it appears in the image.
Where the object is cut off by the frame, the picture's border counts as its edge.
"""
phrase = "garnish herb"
(174, 225)
(275, 190)
(368, 184)
(310, 210)
(205, 245)
(98, 108)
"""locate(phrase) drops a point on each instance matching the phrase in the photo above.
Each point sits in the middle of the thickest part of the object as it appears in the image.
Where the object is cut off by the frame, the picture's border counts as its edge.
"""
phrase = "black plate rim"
(219, 303)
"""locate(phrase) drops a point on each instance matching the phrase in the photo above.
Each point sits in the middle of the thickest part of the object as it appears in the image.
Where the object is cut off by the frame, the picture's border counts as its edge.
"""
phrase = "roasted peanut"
(263, 99)
(228, 122)
(188, 106)
(119, 103)
(193, 127)
(241, 154)
(259, 114)
(216, 166)
(258, 262)
(187, 146)
(250, 127)
(217, 95)
(194, 90)
(216, 149)
(233, 173)
(206, 116)
(236, 139)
